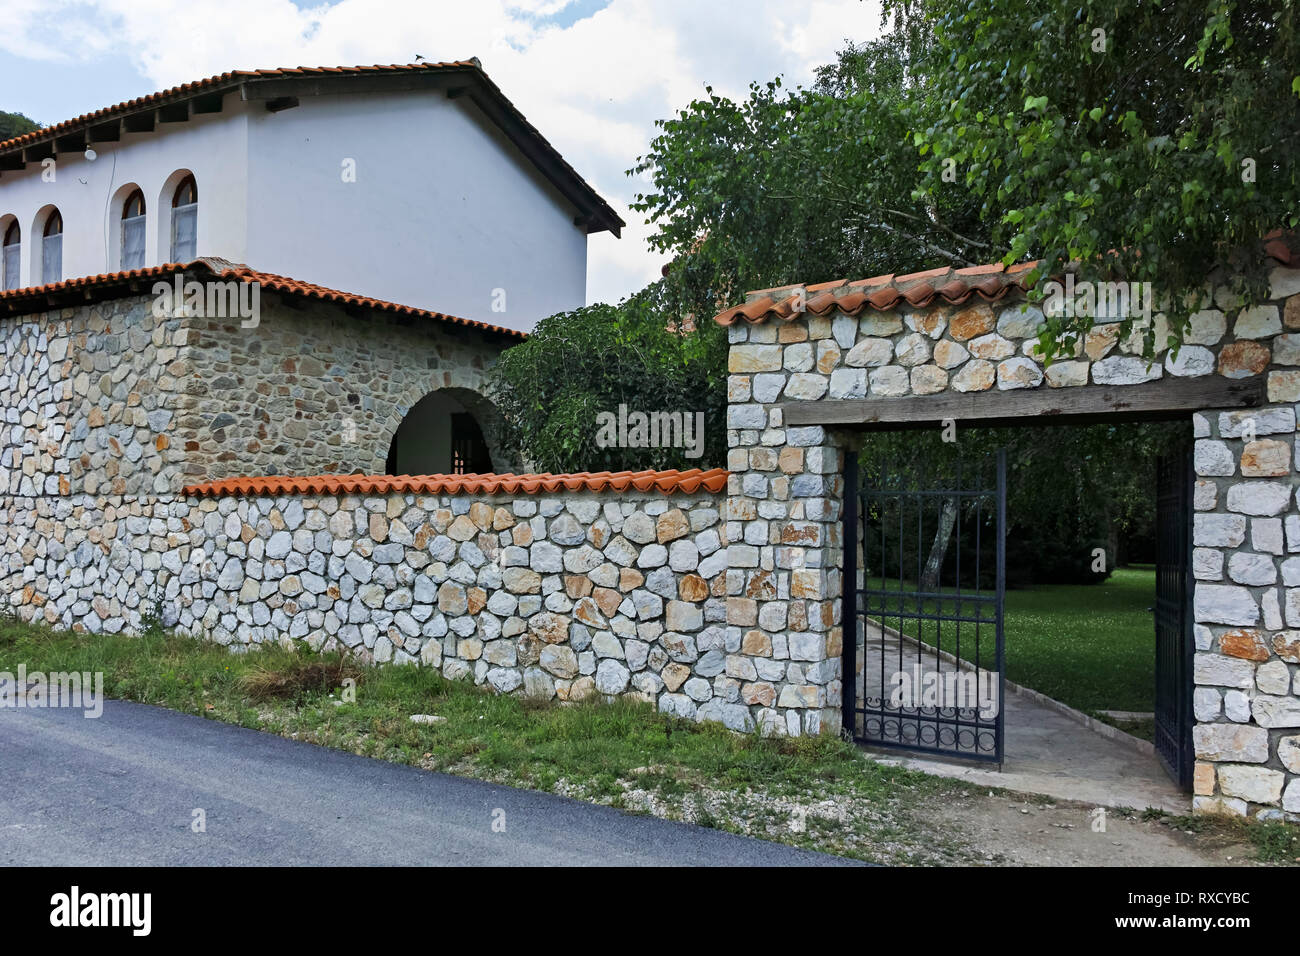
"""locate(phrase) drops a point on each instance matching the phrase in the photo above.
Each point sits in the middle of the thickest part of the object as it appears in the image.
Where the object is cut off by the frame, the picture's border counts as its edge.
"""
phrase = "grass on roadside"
(814, 792)
(620, 752)
(1273, 840)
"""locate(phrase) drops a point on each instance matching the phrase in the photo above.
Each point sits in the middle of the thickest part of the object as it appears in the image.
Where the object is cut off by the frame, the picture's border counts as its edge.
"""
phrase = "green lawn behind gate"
(1091, 646)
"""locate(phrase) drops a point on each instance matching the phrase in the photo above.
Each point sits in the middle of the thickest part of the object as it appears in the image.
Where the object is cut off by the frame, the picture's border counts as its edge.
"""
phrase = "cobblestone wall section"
(316, 391)
(89, 398)
(554, 597)
(108, 399)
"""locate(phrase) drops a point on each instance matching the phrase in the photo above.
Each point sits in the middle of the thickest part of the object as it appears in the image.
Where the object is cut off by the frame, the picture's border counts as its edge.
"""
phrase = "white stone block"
(1219, 670)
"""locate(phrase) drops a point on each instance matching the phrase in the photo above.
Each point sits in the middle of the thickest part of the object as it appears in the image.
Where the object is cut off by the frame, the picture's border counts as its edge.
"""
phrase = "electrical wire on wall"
(108, 199)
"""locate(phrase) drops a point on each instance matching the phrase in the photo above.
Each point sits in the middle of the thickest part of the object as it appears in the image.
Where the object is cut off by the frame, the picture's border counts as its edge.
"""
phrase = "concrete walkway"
(1046, 752)
(123, 790)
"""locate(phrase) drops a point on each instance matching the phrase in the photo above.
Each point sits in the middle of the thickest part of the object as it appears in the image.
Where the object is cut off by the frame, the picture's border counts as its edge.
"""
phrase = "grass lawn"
(1091, 646)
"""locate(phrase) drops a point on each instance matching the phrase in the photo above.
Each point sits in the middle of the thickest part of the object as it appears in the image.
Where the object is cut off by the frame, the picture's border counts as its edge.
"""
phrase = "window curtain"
(12, 260)
(52, 259)
(133, 243)
(185, 232)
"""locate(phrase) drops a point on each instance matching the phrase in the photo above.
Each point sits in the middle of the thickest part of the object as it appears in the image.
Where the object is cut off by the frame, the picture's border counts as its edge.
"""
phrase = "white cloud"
(594, 88)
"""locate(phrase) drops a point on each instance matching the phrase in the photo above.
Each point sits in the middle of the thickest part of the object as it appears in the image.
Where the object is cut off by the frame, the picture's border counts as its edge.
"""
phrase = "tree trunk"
(939, 550)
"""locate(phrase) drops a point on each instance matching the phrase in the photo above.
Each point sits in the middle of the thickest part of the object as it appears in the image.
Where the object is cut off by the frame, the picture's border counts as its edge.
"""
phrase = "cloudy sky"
(592, 75)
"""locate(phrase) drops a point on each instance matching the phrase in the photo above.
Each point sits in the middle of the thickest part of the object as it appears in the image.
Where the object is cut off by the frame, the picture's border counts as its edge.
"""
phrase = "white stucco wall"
(89, 194)
(443, 211)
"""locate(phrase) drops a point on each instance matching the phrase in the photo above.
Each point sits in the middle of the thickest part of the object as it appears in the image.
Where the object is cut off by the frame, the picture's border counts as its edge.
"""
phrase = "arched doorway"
(444, 433)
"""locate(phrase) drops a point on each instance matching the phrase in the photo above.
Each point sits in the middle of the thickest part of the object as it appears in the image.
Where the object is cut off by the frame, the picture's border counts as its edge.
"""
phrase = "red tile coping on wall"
(34, 298)
(668, 482)
(949, 286)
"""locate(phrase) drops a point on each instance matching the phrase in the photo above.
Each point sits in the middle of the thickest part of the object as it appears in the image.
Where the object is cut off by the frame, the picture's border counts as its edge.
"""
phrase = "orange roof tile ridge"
(950, 286)
(225, 269)
(666, 481)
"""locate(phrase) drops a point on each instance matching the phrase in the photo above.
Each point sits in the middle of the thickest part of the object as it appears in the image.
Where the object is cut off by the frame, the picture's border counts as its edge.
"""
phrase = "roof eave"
(99, 288)
(278, 91)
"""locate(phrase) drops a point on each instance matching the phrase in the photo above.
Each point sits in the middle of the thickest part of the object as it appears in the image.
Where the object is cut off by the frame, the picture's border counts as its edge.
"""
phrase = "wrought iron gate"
(1173, 621)
(924, 570)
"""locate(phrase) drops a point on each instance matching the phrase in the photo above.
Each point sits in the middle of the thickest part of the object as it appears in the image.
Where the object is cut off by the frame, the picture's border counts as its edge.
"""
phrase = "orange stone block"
(1242, 359)
(1244, 643)
(693, 588)
(968, 323)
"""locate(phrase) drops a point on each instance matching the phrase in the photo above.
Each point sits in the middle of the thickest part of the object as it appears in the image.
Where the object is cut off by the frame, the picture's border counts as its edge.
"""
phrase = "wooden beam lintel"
(1161, 399)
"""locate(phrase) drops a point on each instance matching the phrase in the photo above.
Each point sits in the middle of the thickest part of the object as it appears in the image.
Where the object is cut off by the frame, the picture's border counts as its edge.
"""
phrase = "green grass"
(621, 753)
(1091, 646)
(602, 751)
(1273, 841)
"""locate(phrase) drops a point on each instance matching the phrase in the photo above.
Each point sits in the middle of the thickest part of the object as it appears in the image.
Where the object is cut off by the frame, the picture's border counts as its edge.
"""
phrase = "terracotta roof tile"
(667, 482)
(927, 274)
(982, 270)
(821, 303)
(1276, 246)
(946, 285)
(109, 285)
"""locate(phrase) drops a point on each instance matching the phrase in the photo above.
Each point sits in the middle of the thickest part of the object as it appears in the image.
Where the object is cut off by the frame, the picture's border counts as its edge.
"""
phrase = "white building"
(419, 184)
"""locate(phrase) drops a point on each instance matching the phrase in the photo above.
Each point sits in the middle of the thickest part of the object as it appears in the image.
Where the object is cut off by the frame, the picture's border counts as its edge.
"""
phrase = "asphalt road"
(122, 790)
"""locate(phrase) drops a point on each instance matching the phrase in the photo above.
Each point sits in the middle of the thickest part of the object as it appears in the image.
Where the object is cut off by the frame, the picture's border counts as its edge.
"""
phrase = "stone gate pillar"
(1246, 604)
(784, 503)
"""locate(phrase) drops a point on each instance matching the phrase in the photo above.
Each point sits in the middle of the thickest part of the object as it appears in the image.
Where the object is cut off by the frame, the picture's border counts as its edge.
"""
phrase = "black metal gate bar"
(1174, 645)
(873, 712)
(1002, 587)
(849, 593)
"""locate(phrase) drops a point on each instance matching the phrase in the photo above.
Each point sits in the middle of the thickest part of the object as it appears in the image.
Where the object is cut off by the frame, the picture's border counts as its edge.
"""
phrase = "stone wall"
(732, 616)
(1246, 602)
(89, 398)
(107, 399)
(786, 492)
(553, 596)
(313, 390)
(109, 411)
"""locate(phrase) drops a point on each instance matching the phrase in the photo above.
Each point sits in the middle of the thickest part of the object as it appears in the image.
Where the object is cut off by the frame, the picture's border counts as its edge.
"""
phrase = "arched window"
(185, 221)
(133, 231)
(13, 253)
(52, 249)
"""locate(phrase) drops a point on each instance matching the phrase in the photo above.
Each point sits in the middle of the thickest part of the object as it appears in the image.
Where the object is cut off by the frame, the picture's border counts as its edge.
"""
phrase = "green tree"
(553, 389)
(1070, 490)
(803, 185)
(15, 124)
(1146, 141)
